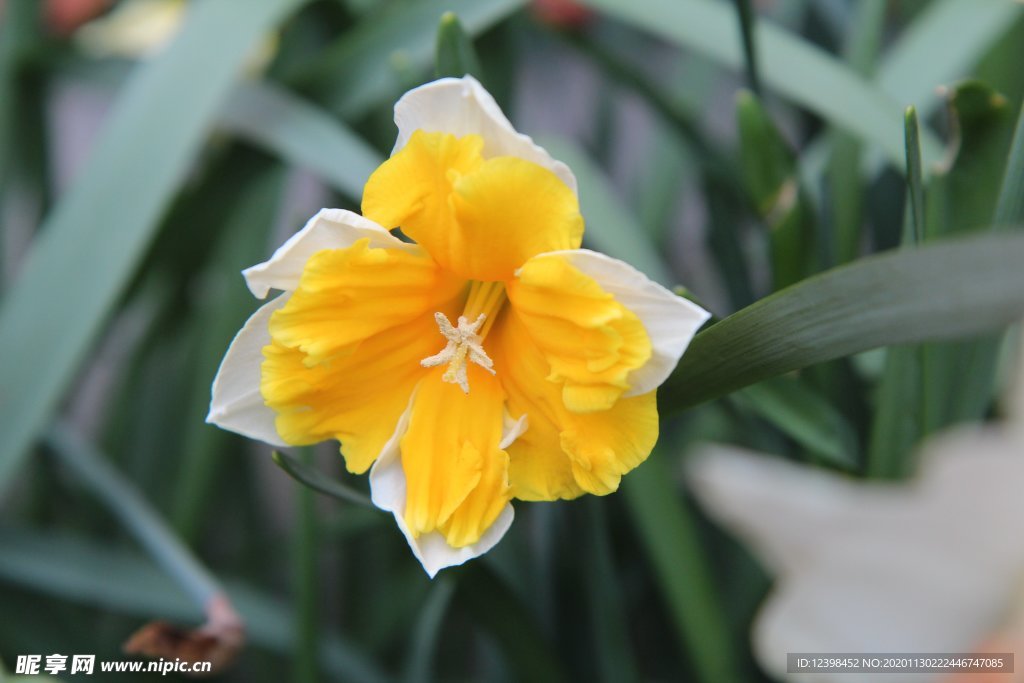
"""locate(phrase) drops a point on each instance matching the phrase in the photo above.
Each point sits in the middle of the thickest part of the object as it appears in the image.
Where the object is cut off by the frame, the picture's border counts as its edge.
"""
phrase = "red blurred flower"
(64, 16)
(562, 12)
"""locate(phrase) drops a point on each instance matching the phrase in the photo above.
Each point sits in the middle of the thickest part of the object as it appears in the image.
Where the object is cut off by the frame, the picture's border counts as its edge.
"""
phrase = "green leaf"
(745, 14)
(300, 133)
(960, 377)
(89, 572)
(903, 407)
(253, 197)
(967, 185)
(608, 617)
(305, 580)
(19, 27)
(1010, 208)
(772, 180)
(502, 613)
(133, 512)
(308, 476)
(898, 421)
(93, 240)
(427, 632)
(280, 122)
(806, 417)
(454, 55)
(925, 58)
(609, 226)
(945, 290)
(845, 185)
(668, 532)
(789, 65)
(915, 181)
(357, 72)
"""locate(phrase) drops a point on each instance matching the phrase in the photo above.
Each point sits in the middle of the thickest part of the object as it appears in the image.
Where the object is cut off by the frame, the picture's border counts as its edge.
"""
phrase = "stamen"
(463, 344)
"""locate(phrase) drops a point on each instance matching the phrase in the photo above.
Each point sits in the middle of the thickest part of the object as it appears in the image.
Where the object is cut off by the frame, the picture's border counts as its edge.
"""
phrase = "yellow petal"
(456, 473)
(564, 454)
(356, 399)
(590, 340)
(348, 295)
(479, 218)
(345, 350)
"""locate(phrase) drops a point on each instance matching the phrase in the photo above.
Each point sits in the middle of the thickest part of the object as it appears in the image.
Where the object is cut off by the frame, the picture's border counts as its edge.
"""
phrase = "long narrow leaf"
(91, 243)
(610, 227)
(357, 73)
(83, 571)
(789, 65)
(669, 534)
(300, 133)
(925, 58)
(941, 291)
(1010, 206)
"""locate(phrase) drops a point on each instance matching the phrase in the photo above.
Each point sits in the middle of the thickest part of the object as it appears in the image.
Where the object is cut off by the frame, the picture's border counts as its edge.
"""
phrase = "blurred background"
(152, 149)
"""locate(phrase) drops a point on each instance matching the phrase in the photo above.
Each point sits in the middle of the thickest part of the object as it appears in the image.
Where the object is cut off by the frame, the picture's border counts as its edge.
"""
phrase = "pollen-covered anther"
(464, 344)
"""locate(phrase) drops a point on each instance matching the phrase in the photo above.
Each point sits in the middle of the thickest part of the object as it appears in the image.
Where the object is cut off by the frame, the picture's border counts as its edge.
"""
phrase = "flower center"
(465, 341)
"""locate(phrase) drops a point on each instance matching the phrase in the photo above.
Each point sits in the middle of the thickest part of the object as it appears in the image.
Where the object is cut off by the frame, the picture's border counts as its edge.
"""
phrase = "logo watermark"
(29, 665)
(906, 662)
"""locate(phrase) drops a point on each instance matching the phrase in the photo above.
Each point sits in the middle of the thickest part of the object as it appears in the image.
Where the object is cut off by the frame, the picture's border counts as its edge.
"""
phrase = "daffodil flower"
(490, 359)
(932, 566)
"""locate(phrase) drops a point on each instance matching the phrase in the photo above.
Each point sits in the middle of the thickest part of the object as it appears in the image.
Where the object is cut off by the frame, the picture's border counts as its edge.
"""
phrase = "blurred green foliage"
(120, 292)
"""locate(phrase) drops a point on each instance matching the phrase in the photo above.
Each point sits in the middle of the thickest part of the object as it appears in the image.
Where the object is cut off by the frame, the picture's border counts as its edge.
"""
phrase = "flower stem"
(305, 586)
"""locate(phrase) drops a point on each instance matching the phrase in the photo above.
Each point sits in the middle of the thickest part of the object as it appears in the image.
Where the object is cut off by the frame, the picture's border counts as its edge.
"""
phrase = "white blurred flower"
(138, 28)
(934, 565)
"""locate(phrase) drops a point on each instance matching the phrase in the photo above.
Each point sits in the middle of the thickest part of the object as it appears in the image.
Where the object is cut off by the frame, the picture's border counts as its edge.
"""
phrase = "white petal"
(461, 106)
(387, 490)
(236, 403)
(1015, 393)
(512, 429)
(923, 567)
(670, 320)
(328, 229)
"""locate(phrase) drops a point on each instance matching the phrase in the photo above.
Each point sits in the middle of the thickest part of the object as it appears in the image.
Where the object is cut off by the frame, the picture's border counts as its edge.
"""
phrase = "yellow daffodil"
(491, 359)
(934, 565)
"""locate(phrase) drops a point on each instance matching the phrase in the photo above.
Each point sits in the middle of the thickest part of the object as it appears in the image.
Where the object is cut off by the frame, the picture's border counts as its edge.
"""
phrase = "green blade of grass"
(305, 667)
(806, 417)
(88, 572)
(788, 65)
(774, 187)
(280, 122)
(357, 72)
(1010, 206)
(133, 512)
(745, 15)
(883, 300)
(427, 633)
(924, 58)
(901, 414)
(846, 188)
(614, 652)
(454, 55)
(915, 182)
(668, 533)
(610, 227)
(495, 608)
(300, 133)
(102, 226)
